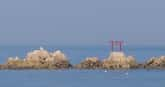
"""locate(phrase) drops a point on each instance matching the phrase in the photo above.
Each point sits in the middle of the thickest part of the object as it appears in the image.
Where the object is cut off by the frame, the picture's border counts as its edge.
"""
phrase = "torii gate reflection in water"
(116, 46)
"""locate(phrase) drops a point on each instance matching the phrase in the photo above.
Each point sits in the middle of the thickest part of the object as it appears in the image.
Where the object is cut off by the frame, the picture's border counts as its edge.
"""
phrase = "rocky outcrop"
(132, 62)
(118, 60)
(156, 62)
(58, 59)
(40, 59)
(14, 63)
(90, 63)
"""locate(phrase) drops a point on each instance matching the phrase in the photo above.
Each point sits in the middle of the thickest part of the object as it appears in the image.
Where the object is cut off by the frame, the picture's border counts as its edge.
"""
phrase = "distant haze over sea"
(86, 22)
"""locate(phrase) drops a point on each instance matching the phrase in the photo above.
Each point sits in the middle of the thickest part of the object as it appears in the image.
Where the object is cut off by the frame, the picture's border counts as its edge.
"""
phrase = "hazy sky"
(81, 22)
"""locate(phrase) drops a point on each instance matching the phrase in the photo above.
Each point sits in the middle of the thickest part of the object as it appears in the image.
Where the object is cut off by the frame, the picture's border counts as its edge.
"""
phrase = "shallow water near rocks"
(82, 78)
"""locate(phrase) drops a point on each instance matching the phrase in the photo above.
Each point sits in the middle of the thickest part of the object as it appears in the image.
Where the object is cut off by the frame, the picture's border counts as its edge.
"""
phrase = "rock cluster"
(40, 59)
(90, 63)
(117, 60)
(156, 62)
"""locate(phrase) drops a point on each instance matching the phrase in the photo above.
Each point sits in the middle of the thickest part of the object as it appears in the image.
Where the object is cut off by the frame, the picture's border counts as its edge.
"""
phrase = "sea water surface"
(82, 78)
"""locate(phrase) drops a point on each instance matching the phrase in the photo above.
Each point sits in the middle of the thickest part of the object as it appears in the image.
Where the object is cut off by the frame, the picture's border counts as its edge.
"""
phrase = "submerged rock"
(90, 63)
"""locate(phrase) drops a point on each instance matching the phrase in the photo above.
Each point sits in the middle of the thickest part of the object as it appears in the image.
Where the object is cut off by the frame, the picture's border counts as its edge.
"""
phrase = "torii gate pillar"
(116, 45)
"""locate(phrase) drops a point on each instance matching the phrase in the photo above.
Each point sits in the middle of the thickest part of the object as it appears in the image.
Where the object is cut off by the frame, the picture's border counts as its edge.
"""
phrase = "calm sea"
(82, 78)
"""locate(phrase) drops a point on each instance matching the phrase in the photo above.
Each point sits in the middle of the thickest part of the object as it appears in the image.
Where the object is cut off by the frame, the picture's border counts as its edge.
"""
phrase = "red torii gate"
(115, 44)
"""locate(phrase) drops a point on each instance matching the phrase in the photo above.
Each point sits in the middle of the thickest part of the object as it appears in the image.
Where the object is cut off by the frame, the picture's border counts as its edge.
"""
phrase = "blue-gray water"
(82, 78)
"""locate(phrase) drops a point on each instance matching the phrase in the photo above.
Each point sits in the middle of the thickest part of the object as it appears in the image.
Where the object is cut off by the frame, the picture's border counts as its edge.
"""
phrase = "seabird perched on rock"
(16, 58)
(41, 48)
